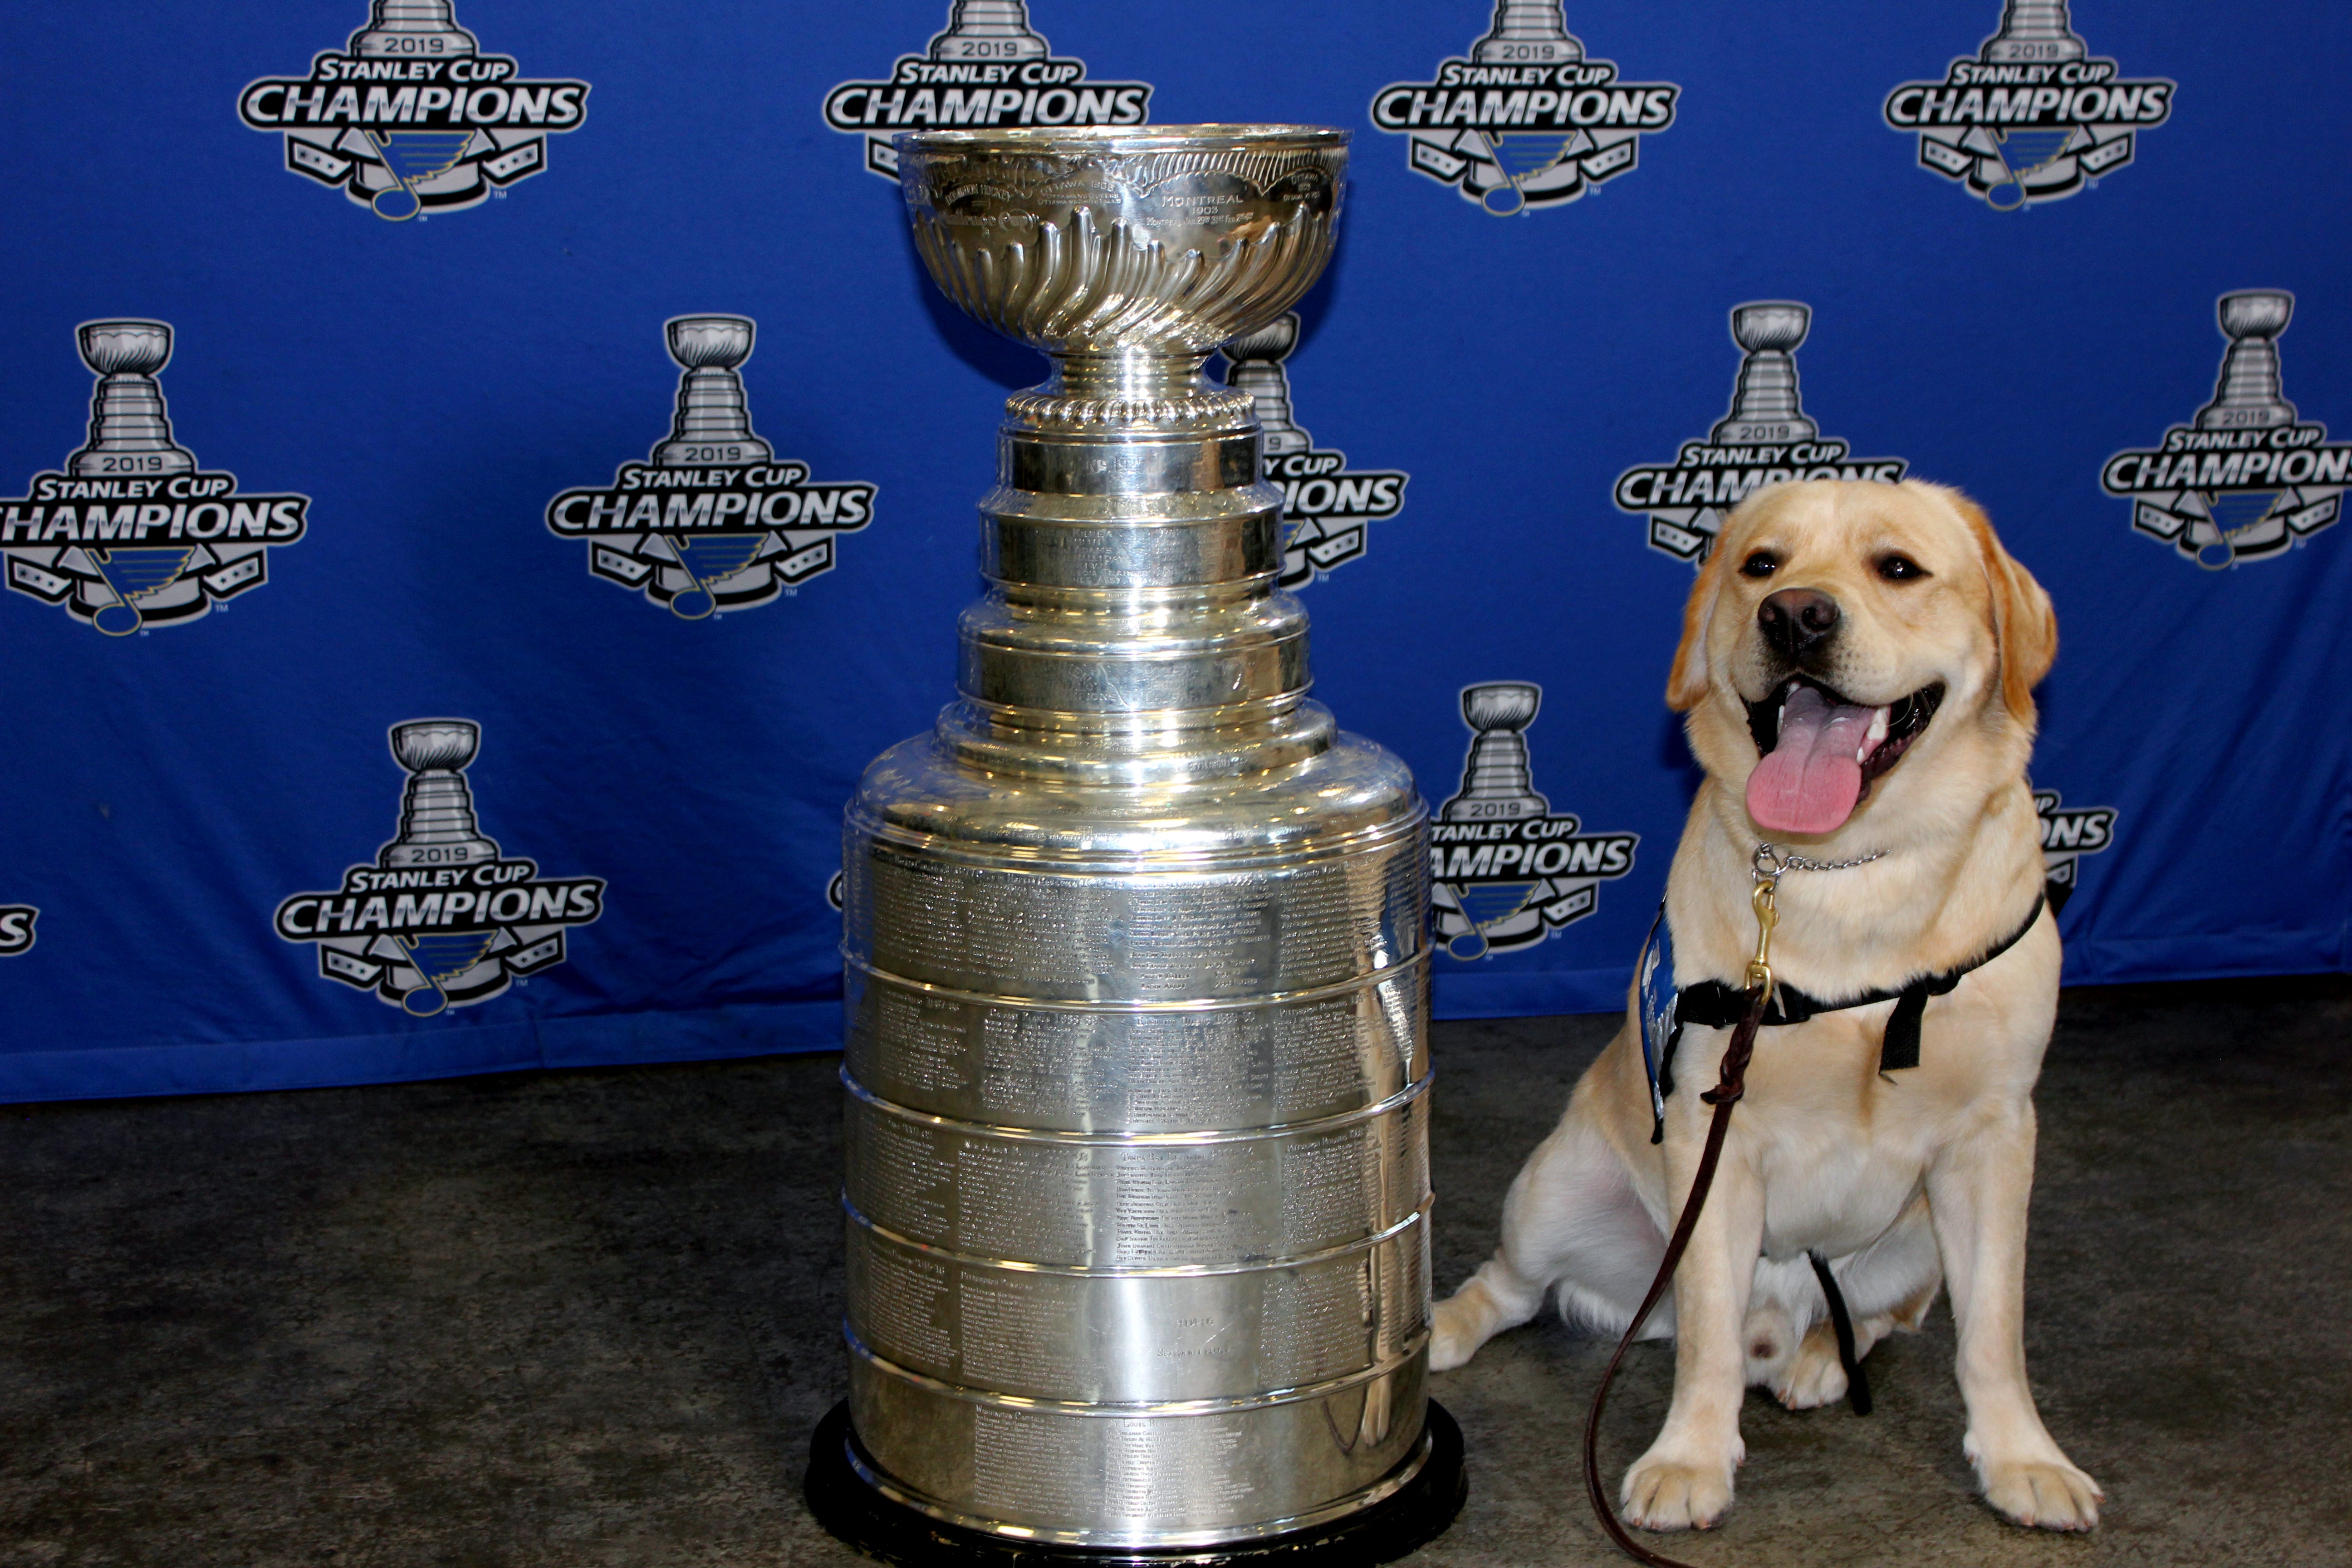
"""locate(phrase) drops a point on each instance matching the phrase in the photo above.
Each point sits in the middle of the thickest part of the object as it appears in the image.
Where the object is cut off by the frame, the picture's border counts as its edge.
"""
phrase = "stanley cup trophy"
(438, 828)
(2249, 395)
(1137, 978)
(130, 431)
(2033, 30)
(989, 31)
(1765, 406)
(413, 29)
(712, 428)
(713, 424)
(1527, 32)
(1497, 784)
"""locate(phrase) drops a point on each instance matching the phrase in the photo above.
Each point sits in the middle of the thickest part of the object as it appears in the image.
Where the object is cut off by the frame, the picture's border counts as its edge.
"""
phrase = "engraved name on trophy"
(1137, 958)
(1765, 406)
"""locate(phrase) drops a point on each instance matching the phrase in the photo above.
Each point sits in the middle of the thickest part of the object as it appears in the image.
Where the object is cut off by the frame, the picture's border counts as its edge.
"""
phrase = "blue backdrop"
(416, 281)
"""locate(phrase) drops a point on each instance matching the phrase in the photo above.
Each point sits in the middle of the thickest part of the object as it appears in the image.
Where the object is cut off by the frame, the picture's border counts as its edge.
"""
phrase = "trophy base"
(1406, 1519)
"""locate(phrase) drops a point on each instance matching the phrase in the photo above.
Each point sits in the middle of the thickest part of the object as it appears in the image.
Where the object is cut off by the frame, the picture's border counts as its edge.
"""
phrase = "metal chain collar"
(1771, 860)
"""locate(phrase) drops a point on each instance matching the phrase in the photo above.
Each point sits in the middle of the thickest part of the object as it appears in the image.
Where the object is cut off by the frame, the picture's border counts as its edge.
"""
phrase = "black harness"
(1714, 1004)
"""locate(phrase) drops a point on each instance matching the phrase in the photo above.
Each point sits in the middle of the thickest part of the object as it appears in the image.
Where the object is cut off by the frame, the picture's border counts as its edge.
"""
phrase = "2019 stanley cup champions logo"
(1507, 870)
(1765, 440)
(132, 534)
(441, 918)
(2247, 478)
(413, 117)
(989, 68)
(2069, 833)
(714, 520)
(17, 929)
(2033, 115)
(1527, 120)
(1328, 507)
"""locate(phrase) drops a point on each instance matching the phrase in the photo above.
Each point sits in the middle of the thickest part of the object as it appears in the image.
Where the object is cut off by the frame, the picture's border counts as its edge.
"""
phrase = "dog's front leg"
(1978, 1190)
(1683, 1482)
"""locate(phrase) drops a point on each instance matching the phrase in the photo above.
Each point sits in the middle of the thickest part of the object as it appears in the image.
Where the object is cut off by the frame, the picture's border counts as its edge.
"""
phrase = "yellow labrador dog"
(1857, 664)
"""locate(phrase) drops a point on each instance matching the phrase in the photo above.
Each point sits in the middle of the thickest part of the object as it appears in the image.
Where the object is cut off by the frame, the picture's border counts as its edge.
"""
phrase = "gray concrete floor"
(588, 1318)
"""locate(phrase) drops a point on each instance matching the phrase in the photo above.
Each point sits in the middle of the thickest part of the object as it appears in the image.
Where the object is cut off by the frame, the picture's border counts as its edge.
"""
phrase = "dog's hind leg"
(1571, 1221)
(1889, 1285)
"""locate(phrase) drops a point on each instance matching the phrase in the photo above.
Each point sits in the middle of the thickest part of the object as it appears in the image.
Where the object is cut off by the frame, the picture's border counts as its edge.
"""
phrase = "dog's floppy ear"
(2024, 628)
(1686, 683)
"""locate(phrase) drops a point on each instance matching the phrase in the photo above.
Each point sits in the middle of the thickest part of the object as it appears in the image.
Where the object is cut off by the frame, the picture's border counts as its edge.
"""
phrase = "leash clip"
(1767, 915)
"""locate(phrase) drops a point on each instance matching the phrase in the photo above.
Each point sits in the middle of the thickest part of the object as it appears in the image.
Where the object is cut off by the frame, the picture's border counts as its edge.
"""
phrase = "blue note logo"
(413, 117)
(2032, 116)
(1507, 869)
(132, 534)
(1327, 507)
(1527, 120)
(440, 919)
(1764, 439)
(2069, 833)
(2247, 478)
(988, 69)
(17, 929)
(715, 521)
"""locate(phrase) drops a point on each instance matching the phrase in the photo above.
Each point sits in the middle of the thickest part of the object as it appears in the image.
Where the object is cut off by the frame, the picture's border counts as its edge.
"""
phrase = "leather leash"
(1731, 1083)
(1730, 1086)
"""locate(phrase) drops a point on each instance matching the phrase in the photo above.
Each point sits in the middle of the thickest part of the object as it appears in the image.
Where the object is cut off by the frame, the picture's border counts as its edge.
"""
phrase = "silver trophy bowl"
(2255, 312)
(125, 348)
(1137, 962)
(1771, 326)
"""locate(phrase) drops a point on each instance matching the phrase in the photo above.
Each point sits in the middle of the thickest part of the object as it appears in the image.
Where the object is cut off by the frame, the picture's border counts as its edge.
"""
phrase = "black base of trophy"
(1406, 1519)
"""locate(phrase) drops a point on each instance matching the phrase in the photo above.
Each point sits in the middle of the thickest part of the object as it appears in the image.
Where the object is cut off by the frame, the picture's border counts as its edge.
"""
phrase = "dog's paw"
(2041, 1493)
(1814, 1376)
(1454, 1335)
(1668, 1494)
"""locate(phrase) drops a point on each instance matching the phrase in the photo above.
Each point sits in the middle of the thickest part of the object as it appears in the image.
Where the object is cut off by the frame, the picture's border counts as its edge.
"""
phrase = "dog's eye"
(1896, 567)
(1759, 563)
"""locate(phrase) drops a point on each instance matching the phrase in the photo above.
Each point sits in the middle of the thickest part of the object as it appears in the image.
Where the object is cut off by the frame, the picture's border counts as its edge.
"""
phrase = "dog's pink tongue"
(1811, 782)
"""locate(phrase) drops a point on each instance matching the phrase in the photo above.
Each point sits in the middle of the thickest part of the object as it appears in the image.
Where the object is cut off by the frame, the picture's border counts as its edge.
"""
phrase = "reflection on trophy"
(2033, 30)
(1135, 940)
(1764, 407)
(1530, 32)
(989, 31)
(713, 424)
(1254, 363)
(436, 814)
(413, 29)
(129, 432)
(1496, 785)
(2249, 396)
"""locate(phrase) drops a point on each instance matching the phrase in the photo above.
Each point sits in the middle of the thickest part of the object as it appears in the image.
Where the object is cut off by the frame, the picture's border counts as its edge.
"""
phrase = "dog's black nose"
(1796, 620)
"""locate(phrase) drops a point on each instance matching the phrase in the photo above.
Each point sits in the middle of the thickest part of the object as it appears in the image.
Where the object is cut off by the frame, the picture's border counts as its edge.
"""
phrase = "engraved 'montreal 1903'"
(1137, 1192)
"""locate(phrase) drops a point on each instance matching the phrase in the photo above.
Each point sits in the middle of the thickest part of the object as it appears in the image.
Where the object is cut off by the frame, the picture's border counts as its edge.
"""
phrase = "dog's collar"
(1771, 860)
(1664, 1011)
